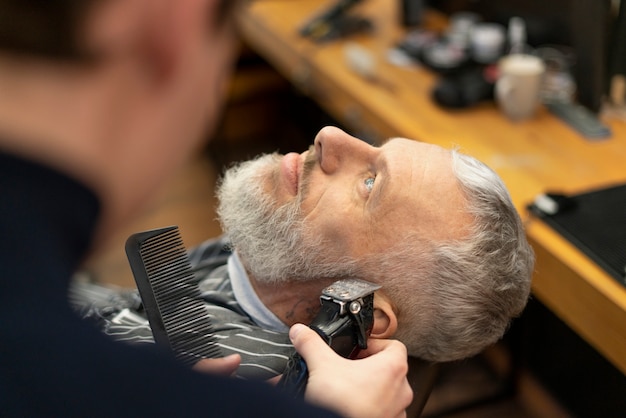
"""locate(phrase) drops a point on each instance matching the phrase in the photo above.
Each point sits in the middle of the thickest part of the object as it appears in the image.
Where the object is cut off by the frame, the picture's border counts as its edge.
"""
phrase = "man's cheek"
(336, 231)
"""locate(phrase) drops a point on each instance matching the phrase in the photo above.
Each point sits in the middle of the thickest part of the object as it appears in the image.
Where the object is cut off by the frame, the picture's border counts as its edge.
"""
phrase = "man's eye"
(369, 183)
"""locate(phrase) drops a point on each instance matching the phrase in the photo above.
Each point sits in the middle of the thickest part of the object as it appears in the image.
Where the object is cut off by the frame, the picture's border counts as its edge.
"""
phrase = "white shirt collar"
(248, 299)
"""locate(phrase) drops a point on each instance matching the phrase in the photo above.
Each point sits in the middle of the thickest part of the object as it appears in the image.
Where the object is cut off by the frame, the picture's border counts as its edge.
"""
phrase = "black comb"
(170, 295)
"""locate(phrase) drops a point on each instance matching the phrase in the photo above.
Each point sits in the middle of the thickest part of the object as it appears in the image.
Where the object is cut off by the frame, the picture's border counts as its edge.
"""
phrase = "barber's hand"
(225, 366)
(372, 386)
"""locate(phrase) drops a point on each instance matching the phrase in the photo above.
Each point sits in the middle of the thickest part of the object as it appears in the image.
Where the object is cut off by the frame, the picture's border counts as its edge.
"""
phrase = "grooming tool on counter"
(170, 296)
(344, 322)
(581, 119)
(360, 60)
(332, 22)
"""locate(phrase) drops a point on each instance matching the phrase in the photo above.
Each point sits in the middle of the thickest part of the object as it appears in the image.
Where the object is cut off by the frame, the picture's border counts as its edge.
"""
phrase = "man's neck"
(291, 301)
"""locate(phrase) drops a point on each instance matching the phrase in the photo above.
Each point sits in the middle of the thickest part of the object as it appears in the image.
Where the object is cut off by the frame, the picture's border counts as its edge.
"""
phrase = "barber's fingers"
(310, 345)
(307, 341)
(225, 366)
(316, 352)
(376, 345)
(347, 386)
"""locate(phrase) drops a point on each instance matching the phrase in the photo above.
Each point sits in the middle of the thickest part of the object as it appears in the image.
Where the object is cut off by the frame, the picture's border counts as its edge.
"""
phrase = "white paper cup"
(519, 85)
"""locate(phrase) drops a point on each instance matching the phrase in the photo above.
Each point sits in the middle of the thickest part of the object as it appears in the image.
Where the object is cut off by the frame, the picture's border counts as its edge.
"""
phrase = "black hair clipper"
(344, 322)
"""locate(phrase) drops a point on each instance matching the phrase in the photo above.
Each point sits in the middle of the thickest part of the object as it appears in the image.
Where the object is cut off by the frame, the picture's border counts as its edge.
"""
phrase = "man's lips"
(290, 169)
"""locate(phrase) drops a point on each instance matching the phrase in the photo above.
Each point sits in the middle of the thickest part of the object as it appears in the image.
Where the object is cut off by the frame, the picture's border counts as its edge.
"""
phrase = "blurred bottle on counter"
(517, 36)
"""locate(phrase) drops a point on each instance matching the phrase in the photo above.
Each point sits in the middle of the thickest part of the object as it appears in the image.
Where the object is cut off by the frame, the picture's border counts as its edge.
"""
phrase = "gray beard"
(273, 241)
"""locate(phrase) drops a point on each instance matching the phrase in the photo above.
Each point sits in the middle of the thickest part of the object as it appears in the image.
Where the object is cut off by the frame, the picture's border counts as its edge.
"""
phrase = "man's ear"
(385, 318)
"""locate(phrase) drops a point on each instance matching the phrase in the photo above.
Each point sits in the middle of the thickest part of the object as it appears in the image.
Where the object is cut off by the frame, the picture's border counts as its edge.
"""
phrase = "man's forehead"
(415, 170)
(418, 153)
(433, 201)
(418, 145)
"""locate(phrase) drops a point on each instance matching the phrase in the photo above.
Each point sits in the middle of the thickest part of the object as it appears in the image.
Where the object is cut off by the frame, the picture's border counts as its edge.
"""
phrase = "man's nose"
(334, 148)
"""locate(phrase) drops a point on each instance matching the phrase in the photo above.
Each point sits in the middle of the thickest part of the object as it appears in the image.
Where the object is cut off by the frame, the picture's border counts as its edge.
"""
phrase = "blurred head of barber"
(100, 101)
(116, 93)
(436, 228)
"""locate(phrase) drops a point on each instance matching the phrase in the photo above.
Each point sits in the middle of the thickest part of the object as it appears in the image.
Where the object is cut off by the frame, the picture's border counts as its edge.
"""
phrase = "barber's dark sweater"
(55, 365)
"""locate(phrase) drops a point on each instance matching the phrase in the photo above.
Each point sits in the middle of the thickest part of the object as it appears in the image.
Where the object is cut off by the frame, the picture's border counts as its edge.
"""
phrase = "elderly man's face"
(340, 201)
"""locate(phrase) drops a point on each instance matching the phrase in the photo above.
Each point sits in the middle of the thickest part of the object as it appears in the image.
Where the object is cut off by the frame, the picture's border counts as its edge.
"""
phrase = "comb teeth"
(171, 298)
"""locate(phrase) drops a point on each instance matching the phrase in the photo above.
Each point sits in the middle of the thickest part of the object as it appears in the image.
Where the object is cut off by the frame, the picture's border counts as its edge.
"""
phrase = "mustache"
(310, 161)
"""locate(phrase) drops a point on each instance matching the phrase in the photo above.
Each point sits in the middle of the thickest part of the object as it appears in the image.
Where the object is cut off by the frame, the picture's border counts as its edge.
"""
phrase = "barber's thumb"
(307, 342)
